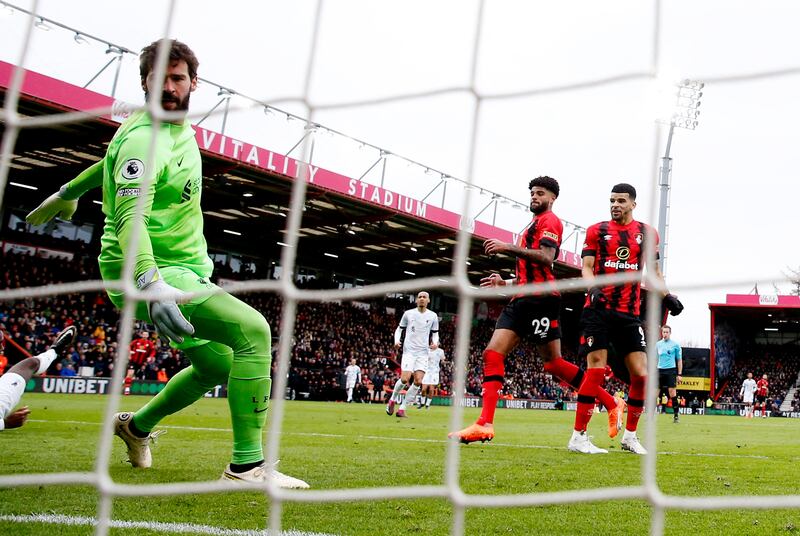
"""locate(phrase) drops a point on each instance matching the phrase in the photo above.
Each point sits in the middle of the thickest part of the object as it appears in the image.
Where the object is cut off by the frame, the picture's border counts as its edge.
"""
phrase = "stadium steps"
(786, 405)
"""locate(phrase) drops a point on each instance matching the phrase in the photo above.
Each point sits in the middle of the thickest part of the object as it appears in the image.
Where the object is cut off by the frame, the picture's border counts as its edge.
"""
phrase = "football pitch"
(334, 445)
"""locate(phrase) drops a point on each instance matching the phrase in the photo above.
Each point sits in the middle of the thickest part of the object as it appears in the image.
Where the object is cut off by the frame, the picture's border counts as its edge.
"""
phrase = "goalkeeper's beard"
(181, 105)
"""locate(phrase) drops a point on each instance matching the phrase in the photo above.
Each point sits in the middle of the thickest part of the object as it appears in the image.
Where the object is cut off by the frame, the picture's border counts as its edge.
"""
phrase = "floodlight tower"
(687, 104)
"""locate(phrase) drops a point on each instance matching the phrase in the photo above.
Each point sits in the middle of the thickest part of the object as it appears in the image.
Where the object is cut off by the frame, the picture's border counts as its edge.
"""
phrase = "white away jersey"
(434, 359)
(748, 388)
(352, 372)
(418, 327)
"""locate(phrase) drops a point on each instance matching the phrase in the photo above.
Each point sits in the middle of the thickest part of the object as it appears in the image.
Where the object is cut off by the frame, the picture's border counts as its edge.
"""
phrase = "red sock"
(565, 371)
(635, 402)
(592, 383)
(607, 399)
(491, 394)
(573, 376)
(493, 378)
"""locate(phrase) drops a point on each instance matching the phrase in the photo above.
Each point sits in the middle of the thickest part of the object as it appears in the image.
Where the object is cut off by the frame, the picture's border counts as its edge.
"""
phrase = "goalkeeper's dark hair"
(624, 188)
(548, 183)
(178, 51)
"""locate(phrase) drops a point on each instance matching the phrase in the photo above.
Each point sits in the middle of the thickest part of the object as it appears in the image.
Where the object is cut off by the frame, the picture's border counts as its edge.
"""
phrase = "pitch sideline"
(155, 526)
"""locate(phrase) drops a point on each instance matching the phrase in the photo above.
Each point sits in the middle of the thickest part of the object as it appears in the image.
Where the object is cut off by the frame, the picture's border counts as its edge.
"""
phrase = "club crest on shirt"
(133, 168)
(639, 237)
(607, 237)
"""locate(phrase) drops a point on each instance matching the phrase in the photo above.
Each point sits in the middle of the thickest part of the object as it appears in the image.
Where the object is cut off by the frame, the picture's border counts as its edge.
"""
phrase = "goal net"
(472, 93)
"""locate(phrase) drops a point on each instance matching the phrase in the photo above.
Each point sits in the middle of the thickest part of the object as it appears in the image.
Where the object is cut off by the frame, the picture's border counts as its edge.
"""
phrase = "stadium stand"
(326, 337)
(780, 364)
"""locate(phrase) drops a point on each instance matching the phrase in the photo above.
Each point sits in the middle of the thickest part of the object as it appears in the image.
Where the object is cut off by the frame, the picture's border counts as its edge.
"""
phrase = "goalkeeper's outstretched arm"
(64, 202)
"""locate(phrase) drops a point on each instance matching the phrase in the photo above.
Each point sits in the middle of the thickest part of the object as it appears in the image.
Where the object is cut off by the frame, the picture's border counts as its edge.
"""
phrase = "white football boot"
(631, 443)
(579, 442)
(138, 447)
(262, 474)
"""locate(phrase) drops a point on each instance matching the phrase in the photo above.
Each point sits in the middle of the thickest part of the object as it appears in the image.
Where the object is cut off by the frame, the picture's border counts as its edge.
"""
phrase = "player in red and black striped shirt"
(762, 391)
(611, 315)
(534, 315)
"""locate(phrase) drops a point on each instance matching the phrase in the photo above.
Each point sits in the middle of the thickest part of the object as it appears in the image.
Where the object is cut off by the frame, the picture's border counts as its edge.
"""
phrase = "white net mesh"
(492, 91)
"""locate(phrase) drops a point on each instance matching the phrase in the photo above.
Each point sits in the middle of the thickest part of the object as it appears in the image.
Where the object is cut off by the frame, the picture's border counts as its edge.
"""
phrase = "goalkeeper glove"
(54, 206)
(165, 313)
(672, 304)
(597, 298)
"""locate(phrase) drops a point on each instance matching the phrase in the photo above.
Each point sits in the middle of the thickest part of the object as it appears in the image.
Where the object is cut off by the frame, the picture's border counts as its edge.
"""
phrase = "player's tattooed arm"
(596, 296)
(544, 255)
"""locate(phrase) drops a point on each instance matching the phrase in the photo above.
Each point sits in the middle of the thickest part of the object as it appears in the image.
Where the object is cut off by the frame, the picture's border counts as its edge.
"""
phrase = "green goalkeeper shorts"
(176, 276)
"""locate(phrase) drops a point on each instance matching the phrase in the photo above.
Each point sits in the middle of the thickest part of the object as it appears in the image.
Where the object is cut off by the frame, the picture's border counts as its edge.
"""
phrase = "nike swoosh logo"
(259, 410)
(180, 162)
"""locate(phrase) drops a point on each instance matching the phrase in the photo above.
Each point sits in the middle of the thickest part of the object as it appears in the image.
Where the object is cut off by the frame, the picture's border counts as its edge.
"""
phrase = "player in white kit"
(352, 376)
(431, 379)
(13, 382)
(419, 332)
(746, 392)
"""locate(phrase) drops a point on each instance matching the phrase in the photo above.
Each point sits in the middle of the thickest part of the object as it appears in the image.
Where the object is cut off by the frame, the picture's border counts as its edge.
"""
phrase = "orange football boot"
(615, 418)
(475, 432)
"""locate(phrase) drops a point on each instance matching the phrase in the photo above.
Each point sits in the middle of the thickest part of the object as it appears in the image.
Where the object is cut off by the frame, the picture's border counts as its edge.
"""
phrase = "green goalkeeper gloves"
(52, 207)
(164, 313)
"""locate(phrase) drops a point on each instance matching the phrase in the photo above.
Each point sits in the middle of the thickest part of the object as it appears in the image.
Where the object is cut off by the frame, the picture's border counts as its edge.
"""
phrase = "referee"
(670, 367)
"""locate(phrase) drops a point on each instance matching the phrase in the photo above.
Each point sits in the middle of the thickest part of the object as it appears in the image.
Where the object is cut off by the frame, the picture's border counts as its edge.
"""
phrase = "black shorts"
(761, 399)
(667, 377)
(537, 317)
(619, 333)
(603, 328)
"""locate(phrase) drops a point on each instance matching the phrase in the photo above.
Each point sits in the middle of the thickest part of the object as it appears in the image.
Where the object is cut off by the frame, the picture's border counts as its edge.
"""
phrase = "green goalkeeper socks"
(225, 319)
(211, 364)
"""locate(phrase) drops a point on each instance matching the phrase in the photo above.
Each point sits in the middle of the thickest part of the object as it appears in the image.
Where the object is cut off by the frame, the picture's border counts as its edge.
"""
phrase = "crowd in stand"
(779, 363)
(326, 336)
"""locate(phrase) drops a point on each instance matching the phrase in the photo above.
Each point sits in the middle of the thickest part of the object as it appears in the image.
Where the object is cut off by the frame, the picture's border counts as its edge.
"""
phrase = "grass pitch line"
(423, 440)
(155, 526)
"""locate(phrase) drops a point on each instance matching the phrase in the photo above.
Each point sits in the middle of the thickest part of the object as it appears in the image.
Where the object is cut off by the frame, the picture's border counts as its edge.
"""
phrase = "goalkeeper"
(225, 339)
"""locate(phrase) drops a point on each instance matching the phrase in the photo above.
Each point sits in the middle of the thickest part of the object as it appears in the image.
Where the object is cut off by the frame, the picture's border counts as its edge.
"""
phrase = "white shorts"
(748, 399)
(431, 378)
(350, 385)
(413, 362)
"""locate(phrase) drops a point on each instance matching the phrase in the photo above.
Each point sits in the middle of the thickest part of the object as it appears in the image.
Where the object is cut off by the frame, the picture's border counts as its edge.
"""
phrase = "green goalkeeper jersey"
(172, 223)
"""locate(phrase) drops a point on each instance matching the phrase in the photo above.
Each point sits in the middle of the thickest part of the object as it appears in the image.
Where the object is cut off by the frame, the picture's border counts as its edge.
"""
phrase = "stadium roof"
(762, 318)
(349, 226)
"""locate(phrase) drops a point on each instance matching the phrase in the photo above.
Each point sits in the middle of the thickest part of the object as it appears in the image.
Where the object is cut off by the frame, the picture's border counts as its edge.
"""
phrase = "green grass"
(337, 445)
